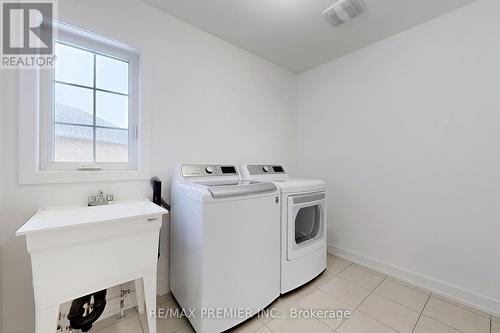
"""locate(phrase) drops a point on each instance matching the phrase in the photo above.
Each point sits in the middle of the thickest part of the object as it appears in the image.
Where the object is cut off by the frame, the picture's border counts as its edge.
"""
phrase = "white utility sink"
(100, 246)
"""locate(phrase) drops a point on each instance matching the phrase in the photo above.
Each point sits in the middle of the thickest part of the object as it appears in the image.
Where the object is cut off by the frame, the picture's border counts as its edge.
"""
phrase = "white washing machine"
(224, 245)
(303, 223)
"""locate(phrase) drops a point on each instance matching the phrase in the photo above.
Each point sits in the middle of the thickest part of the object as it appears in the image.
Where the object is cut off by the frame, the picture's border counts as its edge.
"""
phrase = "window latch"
(89, 167)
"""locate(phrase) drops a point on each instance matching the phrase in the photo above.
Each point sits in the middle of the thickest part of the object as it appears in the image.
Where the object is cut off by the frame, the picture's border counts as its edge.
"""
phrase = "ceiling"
(293, 34)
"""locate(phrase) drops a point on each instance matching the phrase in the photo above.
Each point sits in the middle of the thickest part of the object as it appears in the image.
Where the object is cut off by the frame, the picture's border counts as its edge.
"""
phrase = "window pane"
(74, 65)
(111, 74)
(73, 105)
(111, 145)
(73, 143)
(111, 110)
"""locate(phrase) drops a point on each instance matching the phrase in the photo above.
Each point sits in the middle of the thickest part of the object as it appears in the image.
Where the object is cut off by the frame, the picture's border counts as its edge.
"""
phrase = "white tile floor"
(378, 304)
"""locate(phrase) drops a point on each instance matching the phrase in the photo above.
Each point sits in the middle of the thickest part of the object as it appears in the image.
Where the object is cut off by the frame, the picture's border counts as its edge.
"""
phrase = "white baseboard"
(460, 295)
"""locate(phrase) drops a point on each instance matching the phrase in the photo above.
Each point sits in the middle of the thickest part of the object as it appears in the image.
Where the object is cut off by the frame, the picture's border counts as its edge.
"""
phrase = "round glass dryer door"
(306, 224)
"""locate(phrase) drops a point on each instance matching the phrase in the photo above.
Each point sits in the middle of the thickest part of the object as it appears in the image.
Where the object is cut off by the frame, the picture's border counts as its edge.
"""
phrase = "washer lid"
(231, 189)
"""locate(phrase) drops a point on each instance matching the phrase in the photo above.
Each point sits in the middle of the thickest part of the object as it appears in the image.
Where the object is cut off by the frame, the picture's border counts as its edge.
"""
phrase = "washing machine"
(303, 222)
(224, 245)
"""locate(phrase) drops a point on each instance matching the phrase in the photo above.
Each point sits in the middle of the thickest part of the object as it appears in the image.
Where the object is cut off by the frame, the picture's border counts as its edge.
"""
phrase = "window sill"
(62, 177)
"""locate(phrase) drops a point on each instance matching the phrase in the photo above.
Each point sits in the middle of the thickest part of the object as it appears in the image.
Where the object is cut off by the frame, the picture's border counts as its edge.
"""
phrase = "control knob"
(266, 169)
(209, 170)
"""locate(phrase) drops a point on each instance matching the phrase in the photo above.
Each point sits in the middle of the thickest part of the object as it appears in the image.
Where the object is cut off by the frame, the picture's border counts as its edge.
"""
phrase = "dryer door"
(306, 224)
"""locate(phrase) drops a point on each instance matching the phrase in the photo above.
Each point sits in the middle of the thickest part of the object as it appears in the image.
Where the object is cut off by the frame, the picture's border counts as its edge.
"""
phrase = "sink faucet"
(100, 199)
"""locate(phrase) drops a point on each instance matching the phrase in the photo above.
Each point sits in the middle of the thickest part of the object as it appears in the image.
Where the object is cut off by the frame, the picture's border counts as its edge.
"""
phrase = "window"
(81, 121)
(91, 106)
(90, 116)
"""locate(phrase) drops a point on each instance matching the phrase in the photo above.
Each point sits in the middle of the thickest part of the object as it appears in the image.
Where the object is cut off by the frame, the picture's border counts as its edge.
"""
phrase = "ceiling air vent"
(343, 11)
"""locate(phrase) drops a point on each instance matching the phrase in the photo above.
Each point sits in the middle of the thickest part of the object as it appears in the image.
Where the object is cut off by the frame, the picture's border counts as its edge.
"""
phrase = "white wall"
(406, 132)
(208, 101)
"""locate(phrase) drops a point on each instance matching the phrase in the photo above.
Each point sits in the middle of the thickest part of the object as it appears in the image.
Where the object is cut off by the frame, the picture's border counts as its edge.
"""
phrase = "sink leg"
(139, 291)
(46, 319)
(150, 296)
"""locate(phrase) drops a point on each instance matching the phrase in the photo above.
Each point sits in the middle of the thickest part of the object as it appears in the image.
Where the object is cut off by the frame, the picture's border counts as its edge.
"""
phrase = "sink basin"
(55, 218)
(78, 250)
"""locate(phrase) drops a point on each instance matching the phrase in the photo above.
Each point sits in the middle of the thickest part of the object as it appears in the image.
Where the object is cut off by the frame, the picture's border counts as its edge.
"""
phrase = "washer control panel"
(206, 170)
(265, 169)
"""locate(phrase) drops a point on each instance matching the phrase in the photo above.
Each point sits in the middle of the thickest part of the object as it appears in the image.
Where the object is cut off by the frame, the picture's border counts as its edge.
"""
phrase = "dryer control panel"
(206, 170)
(265, 169)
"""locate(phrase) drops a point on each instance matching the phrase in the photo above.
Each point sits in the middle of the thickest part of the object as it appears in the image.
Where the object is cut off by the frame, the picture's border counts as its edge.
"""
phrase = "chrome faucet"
(100, 199)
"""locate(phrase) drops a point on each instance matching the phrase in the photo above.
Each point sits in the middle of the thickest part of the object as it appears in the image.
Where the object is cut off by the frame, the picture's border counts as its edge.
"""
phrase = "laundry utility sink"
(60, 218)
(79, 250)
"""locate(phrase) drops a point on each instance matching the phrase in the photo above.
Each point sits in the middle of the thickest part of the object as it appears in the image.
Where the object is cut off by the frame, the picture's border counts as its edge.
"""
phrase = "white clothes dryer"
(303, 223)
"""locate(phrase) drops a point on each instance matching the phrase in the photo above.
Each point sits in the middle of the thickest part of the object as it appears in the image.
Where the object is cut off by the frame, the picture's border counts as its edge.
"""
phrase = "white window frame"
(36, 123)
(97, 45)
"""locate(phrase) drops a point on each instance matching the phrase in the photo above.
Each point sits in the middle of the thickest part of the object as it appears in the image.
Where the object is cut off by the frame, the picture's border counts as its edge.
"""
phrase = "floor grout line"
(444, 298)
(258, 328)
(408, 285)
(364, 299)
(322, 291)
(313, 287)
(444, 324)
(373, 292)
(334, 275)
(349, 264)
(269, 328)
(380, 322)
(406, 306)
(322, 323)
(384, 277)
(462, 306)
(439, 321)
(441, 297)
(342, 270)
(358, 285)
(421, 313)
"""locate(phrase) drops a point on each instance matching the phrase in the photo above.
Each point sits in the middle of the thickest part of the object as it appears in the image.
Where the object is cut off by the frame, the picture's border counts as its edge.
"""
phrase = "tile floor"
(378, 305)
